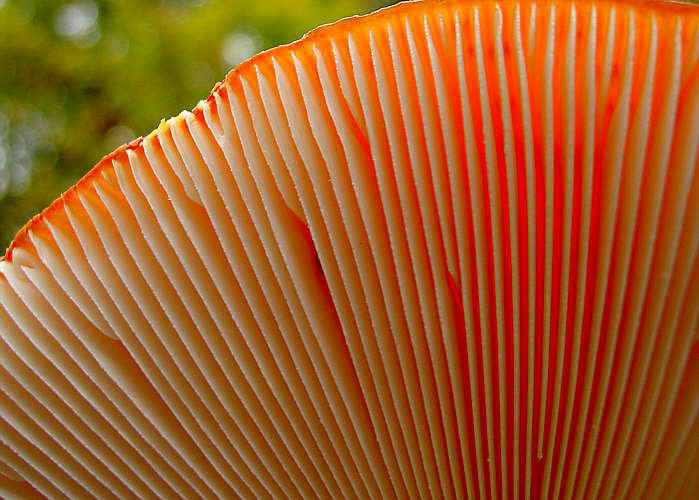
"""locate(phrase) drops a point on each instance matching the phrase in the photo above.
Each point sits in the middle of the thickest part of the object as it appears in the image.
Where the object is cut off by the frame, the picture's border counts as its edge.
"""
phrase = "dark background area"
(80, 78)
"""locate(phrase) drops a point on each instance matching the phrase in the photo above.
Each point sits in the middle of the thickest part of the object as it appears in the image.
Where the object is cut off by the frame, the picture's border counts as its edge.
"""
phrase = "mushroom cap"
(449, 249)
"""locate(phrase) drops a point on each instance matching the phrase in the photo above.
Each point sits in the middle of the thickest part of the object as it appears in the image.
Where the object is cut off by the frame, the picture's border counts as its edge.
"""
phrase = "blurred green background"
(80, 78)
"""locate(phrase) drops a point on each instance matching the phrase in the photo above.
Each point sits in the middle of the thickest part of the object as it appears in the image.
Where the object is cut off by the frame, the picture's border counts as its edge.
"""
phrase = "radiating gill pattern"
(449, 250)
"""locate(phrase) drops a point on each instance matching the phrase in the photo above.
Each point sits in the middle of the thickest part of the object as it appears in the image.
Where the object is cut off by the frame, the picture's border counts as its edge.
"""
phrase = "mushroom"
(449, 249)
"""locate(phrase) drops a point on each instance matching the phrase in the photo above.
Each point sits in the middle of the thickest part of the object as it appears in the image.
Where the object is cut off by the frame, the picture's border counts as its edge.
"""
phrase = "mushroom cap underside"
(449, 249)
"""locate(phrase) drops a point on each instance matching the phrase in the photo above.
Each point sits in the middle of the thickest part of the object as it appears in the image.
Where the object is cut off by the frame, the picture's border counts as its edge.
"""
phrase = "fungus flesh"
(447, 250)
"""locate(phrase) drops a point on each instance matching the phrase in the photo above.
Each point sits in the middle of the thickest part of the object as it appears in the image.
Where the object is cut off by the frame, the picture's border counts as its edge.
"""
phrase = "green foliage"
(77, 79)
